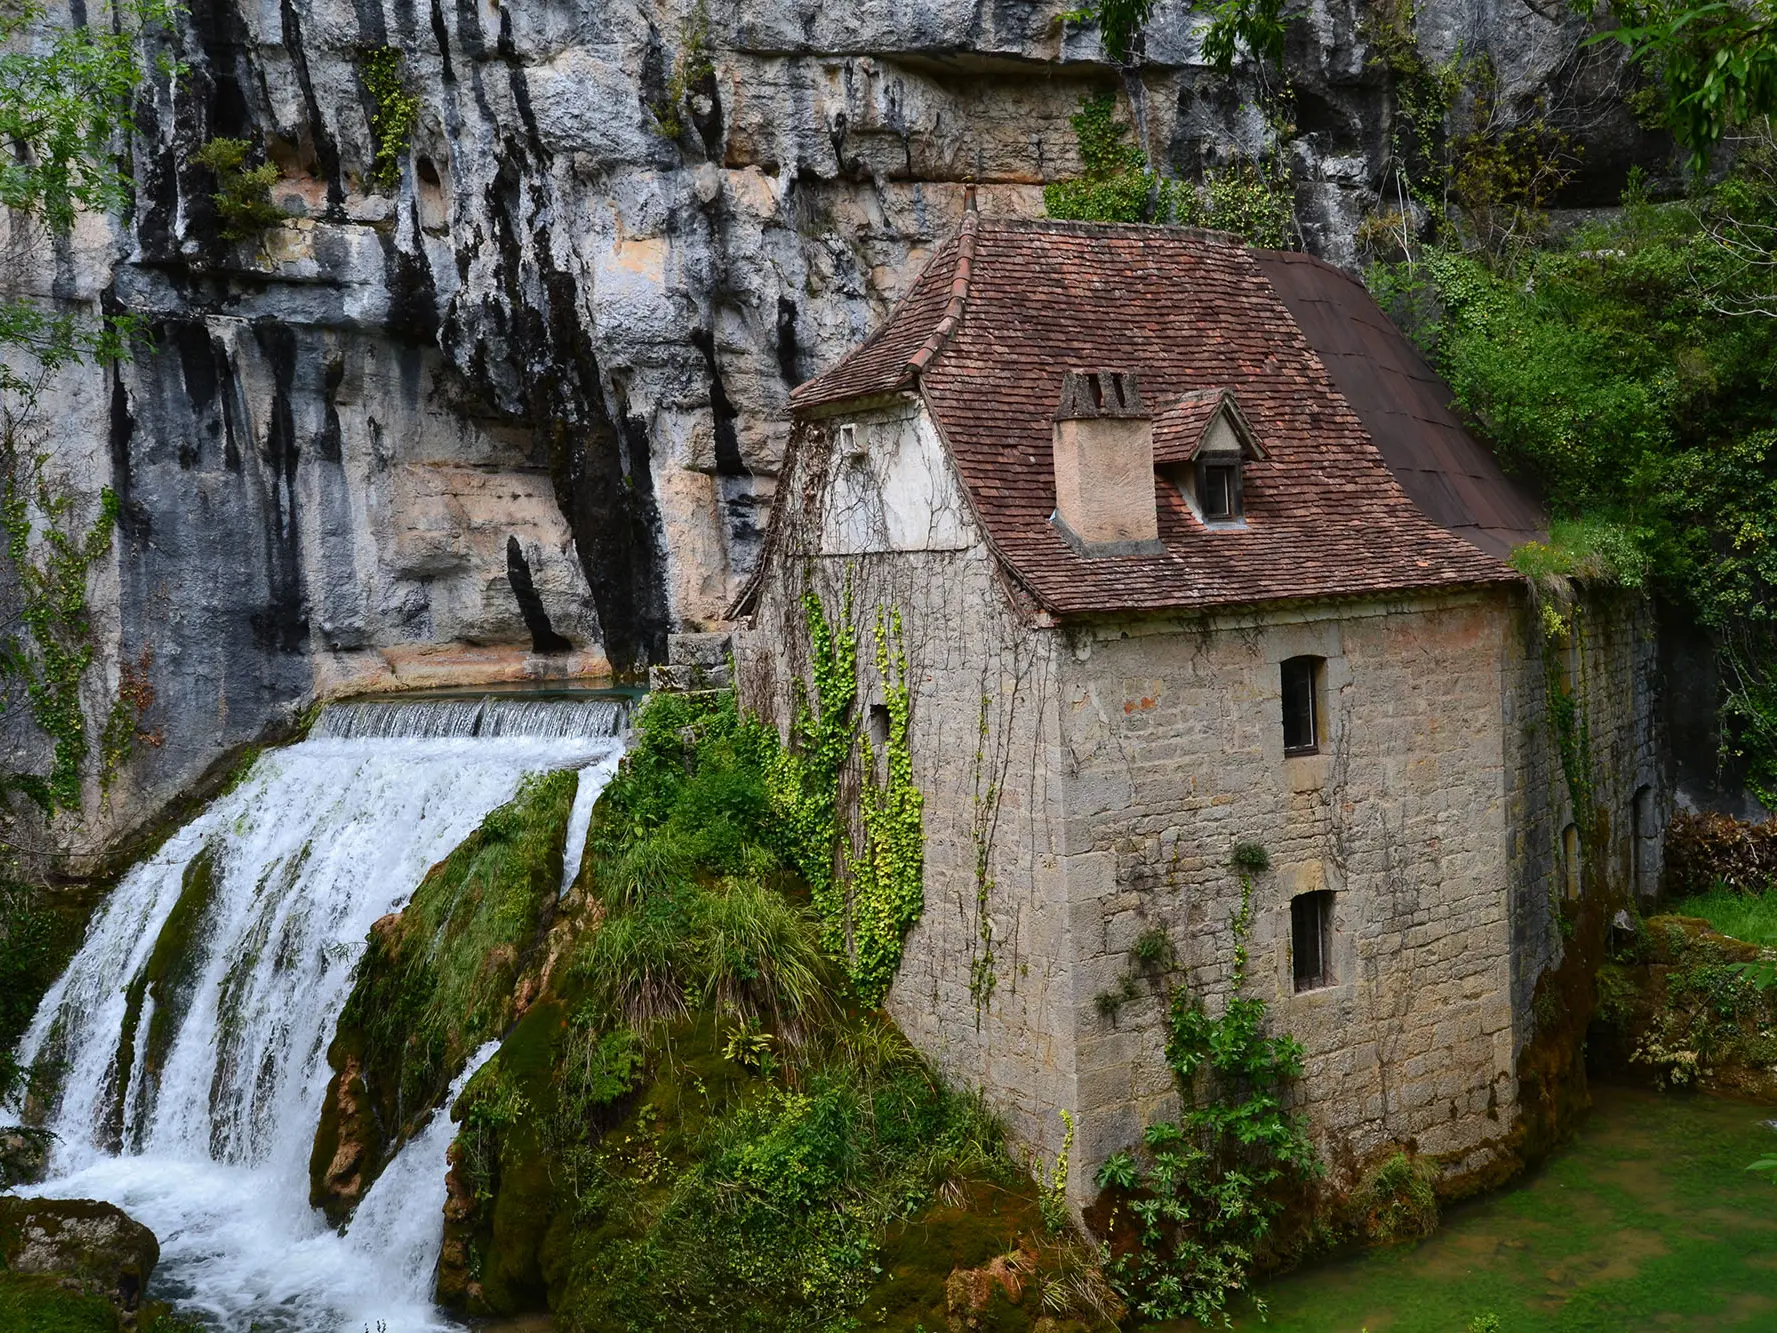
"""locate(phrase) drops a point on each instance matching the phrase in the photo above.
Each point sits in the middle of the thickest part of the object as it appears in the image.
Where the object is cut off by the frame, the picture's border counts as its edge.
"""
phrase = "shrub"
(243, 193)
(1705, 850)
(1398, 1200)
(1207, 1188)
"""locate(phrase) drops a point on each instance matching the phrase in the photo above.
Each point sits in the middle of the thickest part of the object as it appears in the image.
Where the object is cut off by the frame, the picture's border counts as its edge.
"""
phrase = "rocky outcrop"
(92, 1248)
(516, 412)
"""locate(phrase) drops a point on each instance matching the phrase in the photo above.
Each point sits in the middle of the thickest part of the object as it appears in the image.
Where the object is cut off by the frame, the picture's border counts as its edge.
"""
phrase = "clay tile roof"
(1179, 429)
(1191, 312)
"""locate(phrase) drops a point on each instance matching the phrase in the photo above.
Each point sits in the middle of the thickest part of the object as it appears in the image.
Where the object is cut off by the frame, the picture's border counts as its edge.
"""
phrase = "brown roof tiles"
(999, 313)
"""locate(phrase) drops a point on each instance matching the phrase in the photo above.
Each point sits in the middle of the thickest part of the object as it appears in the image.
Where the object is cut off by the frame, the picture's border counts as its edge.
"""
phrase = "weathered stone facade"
(1087, 782)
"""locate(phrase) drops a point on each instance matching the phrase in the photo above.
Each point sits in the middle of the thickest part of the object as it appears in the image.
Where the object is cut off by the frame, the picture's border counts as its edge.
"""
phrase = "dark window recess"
(1221, 490)
(1311, 939)
(879, 727)
(1301, 705)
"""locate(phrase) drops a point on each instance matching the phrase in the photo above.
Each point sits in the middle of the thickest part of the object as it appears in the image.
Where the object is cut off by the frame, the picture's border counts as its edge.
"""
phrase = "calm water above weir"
(1648, 1220)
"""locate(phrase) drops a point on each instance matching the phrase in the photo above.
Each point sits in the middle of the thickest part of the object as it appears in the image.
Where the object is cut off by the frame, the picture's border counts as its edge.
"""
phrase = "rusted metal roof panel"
(1453, 478)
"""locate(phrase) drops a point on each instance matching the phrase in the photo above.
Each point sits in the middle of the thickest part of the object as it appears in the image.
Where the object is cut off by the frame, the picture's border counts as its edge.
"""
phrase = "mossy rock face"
(169, 978)
(438, 979)
(1682, 1006)
(95, 1249)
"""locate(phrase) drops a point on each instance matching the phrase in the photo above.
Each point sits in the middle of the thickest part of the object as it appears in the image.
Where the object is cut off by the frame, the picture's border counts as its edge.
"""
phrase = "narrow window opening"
(848, 443)
(1570, 861)
(1301, 705)
(1311, 939)
(879, 727)
(1220, 490)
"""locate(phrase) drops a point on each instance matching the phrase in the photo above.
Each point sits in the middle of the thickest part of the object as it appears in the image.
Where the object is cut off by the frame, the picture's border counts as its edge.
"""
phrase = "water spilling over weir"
(190, 1033)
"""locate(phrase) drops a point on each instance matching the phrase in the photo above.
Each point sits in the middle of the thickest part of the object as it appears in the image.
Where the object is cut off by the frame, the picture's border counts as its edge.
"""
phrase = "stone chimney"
(1104, 465)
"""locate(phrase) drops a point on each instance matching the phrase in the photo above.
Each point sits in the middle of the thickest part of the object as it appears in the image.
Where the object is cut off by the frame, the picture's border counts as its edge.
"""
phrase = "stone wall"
(986, 988)
(1174, 741)
(1572, 874)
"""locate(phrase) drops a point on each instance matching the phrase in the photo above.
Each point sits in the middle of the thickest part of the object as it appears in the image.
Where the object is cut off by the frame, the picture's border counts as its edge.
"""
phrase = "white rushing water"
(318, 841)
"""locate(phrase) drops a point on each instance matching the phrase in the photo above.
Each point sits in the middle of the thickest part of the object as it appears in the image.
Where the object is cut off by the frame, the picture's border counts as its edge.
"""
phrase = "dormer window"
(1202, 444)
(1218, 487)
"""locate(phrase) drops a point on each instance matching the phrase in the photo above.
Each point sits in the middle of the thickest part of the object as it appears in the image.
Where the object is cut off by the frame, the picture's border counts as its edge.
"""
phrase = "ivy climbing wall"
(982, 982)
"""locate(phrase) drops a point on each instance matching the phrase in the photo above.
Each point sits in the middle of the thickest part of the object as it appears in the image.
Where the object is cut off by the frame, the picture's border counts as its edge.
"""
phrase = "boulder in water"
(94, 1248)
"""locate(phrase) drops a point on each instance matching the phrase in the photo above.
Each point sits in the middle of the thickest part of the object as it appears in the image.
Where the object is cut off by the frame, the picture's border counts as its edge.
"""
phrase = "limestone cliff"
(516, 413)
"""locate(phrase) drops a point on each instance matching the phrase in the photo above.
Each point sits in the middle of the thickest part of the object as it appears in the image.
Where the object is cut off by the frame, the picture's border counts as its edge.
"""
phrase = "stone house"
(1188, 552)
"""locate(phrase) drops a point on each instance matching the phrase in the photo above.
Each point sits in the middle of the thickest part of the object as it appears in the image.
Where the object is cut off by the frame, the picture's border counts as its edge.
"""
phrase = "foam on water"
(211, 1154)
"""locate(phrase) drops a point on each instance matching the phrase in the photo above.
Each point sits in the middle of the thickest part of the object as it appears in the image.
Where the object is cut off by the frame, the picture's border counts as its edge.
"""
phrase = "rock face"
(516, 412)
(93, 1248)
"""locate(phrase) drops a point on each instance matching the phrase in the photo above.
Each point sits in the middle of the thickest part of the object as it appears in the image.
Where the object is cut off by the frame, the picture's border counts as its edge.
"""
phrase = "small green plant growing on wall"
(395, 114)
(1053, 1202)
(692, 66)
(243, 193)
(1201, 1196)
(1116, 183)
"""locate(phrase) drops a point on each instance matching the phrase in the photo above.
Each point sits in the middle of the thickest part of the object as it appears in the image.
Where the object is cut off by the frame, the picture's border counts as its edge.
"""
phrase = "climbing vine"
(805, 778)
(51, 576)
(395, 114)
(888, 876)
(1201, 1197)
(868, 899)
(986, 797)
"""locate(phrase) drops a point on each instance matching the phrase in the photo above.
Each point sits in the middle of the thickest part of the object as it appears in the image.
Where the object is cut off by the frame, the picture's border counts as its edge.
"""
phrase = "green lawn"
(1649, 1220)
(1744, 916)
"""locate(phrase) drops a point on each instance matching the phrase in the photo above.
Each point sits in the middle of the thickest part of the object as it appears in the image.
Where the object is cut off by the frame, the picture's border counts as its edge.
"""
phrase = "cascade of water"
(494, 715)
(217, 1058)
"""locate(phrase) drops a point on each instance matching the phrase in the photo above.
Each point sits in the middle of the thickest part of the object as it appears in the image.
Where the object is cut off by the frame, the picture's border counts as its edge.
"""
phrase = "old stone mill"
(677, 666)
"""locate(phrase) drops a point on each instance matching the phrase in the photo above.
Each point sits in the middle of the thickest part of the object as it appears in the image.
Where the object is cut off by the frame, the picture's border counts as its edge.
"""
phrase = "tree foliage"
(1632, 371)
(1717, 62)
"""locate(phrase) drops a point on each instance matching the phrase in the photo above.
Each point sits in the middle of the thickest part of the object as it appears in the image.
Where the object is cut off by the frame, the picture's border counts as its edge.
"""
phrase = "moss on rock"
(168, 978)
(439, 978)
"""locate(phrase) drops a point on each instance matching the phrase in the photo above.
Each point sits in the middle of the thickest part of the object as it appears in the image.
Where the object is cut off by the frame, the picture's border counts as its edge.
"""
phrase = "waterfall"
(207, 1138)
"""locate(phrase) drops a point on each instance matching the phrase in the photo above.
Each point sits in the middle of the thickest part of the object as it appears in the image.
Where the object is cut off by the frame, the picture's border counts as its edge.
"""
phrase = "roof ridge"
(960, 277)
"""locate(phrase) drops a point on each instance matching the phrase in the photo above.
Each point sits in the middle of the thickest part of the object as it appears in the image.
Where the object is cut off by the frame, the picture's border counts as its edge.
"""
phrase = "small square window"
(1311, 939)
(1301, 705)
(1220, 496)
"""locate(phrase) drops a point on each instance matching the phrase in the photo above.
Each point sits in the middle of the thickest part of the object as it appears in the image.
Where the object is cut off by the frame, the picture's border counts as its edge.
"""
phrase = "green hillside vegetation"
(699, 1126)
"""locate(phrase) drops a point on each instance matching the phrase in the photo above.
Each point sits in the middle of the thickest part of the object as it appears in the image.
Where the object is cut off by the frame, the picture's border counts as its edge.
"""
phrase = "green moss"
(172, 969)
(41, 1305)
(168, 977)
(440, 978)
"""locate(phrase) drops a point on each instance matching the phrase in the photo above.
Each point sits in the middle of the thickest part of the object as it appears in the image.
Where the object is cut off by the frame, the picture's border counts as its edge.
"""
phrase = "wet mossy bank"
(453, 969)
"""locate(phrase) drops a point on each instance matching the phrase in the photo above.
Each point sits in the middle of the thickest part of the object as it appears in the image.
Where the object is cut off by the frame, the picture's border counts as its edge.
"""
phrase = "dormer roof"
(985, 335)
(1181, 430)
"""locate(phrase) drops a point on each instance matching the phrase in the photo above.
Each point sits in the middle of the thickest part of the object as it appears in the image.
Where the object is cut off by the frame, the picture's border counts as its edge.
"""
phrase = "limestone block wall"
(1173, 746)
(985, 989)
(1610, 664)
